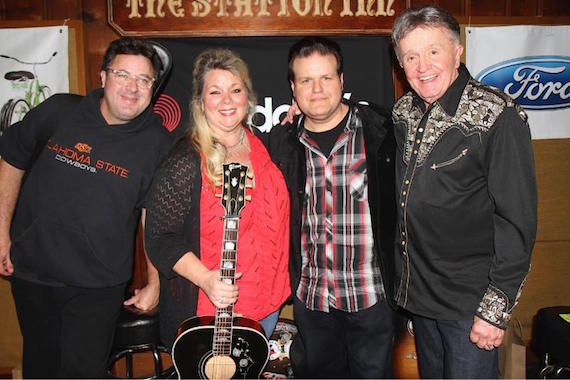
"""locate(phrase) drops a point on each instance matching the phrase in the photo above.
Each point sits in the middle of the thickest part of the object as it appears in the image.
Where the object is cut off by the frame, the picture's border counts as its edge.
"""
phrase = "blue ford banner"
(541, 82)
(532, 65)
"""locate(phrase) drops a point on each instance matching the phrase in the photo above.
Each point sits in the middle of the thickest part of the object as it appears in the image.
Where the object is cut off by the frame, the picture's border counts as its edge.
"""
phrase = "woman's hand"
(221, 293)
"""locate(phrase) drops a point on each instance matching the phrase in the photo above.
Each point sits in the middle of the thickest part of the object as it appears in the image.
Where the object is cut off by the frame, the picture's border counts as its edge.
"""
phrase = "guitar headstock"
(233, 189)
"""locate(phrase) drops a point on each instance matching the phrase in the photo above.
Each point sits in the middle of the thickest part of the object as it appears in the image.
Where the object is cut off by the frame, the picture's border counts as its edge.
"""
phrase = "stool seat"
(135, 327)
(137, 331)
(551, 340)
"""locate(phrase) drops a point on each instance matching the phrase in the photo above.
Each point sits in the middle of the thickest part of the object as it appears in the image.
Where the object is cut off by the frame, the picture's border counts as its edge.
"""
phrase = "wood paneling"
(503, 8)
(419, 3)
(65, 9)
(555, 7)
(22, 10)
(552, 160)
(488, 8)
(546, 284)
(401, 85)
(140, 270)
(10, 337)
(98, 35)
(524, 8)
(453, 6)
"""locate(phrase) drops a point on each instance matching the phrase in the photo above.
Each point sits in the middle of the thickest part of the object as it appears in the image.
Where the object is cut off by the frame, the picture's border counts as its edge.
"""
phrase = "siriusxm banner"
(367, 74)
(532, 65)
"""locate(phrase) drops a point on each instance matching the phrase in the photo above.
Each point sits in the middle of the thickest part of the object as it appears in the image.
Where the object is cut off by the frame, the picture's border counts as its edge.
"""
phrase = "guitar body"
(404, 357)
(192, 351)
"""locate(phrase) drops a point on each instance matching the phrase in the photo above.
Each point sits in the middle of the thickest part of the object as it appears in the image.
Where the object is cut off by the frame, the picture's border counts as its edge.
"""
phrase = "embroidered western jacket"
(467, 203)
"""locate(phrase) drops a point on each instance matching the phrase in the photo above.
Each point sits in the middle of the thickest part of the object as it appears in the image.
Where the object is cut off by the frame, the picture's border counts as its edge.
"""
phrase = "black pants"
(338, 344)
(446, 352)
(67, 331)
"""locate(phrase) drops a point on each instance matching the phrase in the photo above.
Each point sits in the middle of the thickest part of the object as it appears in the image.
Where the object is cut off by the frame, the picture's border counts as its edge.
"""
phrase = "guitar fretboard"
(222, 341)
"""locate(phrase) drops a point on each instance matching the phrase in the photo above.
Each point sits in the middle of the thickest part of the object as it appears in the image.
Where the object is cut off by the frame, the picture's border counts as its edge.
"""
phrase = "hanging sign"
(208, 18)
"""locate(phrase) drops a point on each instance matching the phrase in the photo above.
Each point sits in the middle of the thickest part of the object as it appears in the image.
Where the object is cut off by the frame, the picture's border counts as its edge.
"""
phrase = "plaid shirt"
(338, 265)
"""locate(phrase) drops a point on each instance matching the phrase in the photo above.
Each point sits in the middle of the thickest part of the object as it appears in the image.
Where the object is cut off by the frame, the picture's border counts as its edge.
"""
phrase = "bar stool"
(138, 332)
(551, 340)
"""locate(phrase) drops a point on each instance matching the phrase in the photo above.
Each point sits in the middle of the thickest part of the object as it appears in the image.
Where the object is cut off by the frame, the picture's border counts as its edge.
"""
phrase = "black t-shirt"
(326, 140)
(79, 206)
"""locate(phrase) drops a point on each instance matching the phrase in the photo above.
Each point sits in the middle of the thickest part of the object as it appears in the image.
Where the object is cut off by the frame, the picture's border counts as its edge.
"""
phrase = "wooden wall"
(546, 284)
(98, 34)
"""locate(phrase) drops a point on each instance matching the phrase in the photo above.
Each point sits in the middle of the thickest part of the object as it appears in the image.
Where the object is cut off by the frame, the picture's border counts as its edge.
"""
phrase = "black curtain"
(367, 71)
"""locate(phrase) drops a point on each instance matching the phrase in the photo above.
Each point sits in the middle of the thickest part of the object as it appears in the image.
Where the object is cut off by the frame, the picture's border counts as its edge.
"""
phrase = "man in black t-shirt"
(73, 180)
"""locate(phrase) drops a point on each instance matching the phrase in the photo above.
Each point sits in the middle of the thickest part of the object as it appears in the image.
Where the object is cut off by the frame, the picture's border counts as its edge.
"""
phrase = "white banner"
(532, 65)
(33, 66)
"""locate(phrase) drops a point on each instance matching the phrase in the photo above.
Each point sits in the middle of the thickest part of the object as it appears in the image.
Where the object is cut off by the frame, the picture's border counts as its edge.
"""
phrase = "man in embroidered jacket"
(466, 201)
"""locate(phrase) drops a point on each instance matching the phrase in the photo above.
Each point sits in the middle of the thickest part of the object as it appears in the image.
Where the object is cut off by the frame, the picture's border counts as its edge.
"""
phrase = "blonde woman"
(184, 224)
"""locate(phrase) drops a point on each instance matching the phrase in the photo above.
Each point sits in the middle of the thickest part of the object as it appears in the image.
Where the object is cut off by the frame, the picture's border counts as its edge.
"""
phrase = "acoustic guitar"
(404, 357)
(223, 346)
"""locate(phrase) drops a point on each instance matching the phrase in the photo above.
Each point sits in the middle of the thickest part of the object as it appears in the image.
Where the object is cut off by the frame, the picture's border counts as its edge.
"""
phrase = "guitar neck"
(224, 316)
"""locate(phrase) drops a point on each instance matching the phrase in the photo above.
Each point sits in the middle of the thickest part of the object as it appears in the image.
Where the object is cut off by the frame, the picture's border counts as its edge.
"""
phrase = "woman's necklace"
(234, 148)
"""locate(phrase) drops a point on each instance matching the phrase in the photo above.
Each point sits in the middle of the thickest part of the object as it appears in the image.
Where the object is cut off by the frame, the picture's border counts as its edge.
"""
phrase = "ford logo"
(539, 82)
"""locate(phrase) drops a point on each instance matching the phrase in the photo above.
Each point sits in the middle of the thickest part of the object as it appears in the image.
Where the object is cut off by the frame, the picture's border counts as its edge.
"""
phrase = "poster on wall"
(532, 65)
(33, 66)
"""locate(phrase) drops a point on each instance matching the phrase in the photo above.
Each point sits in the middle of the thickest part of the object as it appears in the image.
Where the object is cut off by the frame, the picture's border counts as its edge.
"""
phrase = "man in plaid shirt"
(337, 160)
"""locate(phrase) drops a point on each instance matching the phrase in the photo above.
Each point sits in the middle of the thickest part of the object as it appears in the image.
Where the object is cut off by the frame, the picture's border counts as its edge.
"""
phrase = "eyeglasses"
(124, 77)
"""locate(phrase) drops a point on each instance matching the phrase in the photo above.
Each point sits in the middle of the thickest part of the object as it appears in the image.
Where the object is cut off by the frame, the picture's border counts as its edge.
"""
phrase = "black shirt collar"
(92, 106)
(300, 120)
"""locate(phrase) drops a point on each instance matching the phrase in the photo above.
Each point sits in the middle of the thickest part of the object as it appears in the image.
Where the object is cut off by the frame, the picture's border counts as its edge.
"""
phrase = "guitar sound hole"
(220, 367)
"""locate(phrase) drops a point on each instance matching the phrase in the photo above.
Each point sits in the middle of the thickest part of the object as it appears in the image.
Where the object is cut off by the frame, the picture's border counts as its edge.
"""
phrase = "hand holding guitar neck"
(221, 293)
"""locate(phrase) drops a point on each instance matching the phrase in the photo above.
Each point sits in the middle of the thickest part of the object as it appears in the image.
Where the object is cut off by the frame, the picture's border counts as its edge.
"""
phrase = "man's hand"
(6, 267)
(291, 113)
(485, 335)
(10, 181)
(145, 298)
